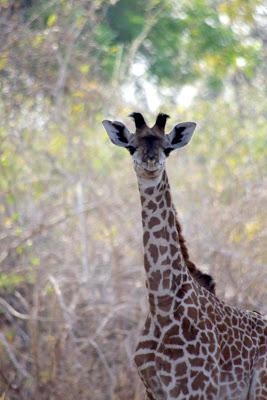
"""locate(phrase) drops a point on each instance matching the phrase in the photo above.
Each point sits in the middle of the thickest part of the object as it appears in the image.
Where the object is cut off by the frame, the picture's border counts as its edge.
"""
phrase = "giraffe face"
(149, 147)
(148, 154)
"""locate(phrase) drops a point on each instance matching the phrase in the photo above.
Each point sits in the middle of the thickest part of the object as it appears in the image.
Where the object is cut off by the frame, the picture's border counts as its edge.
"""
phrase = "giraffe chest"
(179, 360)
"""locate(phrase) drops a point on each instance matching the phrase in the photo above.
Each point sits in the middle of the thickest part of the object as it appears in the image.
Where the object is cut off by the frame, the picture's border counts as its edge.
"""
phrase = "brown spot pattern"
(149, 191)
(146, 263)
(153, 250)
(163, 214)
(168, 199)
(154, 280)
(152, 206)
(189, 331)
(171, 219)
(145, 238)
(165, 302)
(163, 249)
(153, 222)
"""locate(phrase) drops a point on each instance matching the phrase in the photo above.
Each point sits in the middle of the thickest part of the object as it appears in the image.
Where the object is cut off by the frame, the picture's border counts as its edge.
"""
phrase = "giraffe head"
(149, 147)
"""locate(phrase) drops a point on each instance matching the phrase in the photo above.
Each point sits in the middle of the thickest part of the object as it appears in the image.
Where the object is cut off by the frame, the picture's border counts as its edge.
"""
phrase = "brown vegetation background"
(72, 294)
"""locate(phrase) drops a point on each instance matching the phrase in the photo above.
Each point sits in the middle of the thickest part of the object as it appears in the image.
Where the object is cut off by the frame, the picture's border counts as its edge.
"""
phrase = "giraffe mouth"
(150, 174)
(149, 171)
(153, 169)
(152, 166)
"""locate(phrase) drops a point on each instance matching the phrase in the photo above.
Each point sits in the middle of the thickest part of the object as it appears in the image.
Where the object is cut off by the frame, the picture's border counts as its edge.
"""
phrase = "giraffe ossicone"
(193, 346)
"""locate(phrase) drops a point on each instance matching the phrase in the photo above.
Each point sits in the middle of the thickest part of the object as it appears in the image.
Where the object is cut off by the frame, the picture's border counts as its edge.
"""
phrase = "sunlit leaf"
(51, 20)
(252, 228)
(84, 68)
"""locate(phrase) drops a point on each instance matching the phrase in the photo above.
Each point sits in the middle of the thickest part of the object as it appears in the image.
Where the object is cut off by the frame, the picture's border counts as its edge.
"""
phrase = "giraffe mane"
(203, 279)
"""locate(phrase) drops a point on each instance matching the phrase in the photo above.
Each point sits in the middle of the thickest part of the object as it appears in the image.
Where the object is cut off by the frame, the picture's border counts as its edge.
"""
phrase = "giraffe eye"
(131, 149)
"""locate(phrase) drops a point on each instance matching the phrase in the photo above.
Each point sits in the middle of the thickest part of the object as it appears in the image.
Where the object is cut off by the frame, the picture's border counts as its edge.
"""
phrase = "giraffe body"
(193, 346)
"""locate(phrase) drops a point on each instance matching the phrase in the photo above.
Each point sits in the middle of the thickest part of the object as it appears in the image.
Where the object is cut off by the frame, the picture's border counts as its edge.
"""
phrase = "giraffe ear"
(180, 135)
(117, 132)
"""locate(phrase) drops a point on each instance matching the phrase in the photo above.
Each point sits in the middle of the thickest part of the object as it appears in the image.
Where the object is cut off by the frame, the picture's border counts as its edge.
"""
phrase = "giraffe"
(193, 345)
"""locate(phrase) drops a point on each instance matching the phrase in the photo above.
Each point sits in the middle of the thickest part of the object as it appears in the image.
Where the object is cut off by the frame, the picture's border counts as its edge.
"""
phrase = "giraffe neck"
(164, 264)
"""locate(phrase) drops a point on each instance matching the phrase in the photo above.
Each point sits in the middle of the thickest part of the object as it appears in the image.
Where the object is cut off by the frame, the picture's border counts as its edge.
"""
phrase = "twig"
(38, 230)
(12, 357)
(105, 363)
(151, 20)
(12, 310)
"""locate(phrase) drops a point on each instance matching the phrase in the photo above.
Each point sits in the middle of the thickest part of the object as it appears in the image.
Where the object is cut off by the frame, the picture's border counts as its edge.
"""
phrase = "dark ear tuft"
(181, 134)
(117, 132)
(138, 120)
(120, 132)
(161, 121)
(178, 134)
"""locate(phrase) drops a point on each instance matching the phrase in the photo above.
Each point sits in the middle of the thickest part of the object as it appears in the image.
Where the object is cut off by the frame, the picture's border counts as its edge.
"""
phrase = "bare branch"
(12, 357)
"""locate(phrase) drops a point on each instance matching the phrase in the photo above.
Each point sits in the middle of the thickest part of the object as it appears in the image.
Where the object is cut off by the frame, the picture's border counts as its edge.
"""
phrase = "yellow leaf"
(3, 61)
(38, 40)
(91, 85)
(51, 20)
(57, 143)
(10, 335)
(35, 261)
(114, 49)
(79, 93)
(8, 222)
(45, 375)
(232, 162)
(84, 68)
(78, 108)
(235, 236)
(252, 228)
